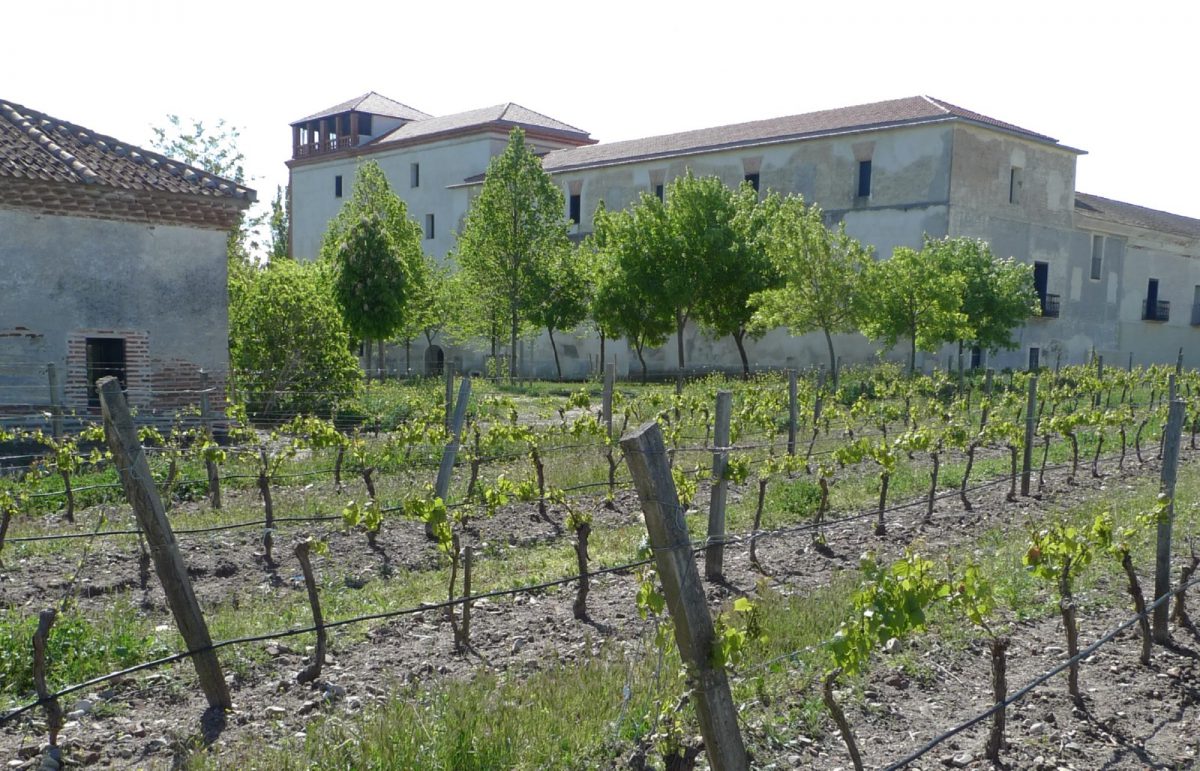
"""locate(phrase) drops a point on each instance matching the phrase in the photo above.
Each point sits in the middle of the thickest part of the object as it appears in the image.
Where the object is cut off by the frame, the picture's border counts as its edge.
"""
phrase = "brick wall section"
(152, 207)
(138, 384)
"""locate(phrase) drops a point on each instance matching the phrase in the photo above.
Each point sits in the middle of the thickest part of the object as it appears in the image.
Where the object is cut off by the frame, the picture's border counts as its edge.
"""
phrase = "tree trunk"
(680, 323)
(833, 367)
(603, 363)
(912, 357)
(380, 365)
(739, 337)
(638, 347)
(367, 357)
(554, 347)
(407, 356)
(512, 347)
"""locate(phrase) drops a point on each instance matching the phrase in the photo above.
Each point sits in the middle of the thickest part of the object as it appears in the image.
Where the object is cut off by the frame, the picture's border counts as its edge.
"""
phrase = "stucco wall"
(67, 278)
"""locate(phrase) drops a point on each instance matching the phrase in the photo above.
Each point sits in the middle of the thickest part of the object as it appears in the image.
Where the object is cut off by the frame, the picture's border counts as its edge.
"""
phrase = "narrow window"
(658, 192)
(1097, 256)
(752, 178)
(337, 186)
(1034, 356)
(1014, 185)
(105, 356)
(574, 208)
(414, 174)
(864, 179)
(429, 226)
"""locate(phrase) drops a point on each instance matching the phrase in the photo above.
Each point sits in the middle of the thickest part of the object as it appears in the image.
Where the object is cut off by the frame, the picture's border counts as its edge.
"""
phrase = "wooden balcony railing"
(329, 145)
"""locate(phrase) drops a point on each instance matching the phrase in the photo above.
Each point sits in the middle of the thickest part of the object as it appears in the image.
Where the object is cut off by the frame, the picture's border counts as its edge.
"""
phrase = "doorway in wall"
(435, 361)
(105, 357)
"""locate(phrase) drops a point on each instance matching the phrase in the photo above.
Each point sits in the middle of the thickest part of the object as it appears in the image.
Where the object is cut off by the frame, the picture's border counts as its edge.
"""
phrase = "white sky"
(1118, 81)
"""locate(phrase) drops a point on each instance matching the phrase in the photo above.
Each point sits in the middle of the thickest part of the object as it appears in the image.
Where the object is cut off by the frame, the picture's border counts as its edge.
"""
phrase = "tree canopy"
(559, 295)
(516, 223)
(913, 295)
(820, 271)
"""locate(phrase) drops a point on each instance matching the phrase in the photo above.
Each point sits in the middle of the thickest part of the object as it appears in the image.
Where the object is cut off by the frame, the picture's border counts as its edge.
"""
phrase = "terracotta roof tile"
(36, 146)
(1137, 216)
(371, 102)
(895, 112)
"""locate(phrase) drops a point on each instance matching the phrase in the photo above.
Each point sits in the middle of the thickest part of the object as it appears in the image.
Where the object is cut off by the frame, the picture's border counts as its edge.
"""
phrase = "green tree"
(739, 268)
(913, 295)
(215, 150)
(622, 306)
(820, 269)
(998, 295)
(288, 345)
(279, 223)
(517, 221)
(559, 295)
(375, 250)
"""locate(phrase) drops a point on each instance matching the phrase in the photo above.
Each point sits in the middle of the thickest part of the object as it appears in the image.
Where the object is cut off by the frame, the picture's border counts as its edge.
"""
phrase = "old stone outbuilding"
(112, 262)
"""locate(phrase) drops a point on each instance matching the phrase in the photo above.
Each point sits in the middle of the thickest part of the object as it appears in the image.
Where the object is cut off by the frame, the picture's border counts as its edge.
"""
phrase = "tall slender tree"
(517, 222)
(375, 250)
(559, 298)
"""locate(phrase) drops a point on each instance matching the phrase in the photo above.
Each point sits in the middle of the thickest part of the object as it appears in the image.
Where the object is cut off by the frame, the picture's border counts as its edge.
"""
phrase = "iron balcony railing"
(1159, 310)
(1051, 305)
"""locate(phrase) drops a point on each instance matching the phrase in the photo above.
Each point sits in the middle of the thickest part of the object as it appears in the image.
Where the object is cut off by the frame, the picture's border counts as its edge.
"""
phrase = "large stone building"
(1113, 277)
(113, 264)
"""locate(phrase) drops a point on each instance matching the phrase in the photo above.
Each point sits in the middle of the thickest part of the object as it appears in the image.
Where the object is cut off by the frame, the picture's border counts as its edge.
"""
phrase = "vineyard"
(896, 573)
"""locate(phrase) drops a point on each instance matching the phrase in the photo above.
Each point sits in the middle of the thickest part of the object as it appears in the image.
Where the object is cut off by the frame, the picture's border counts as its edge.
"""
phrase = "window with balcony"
(1050, 303)
(574, 207)
(1154, 309)
(753, 178)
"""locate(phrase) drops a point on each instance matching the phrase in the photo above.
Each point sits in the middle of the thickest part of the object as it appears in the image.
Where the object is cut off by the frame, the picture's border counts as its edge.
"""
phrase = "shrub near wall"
(288, 346)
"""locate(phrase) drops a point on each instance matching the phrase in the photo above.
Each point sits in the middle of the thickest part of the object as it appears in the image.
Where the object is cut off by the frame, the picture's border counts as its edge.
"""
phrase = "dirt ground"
(1136, 717)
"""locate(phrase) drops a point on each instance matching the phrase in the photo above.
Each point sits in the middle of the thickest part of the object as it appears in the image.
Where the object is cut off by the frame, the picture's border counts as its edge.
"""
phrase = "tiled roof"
(39, 148)
(371, 102)
(503, 116)
(896, 112)
(1137, 216)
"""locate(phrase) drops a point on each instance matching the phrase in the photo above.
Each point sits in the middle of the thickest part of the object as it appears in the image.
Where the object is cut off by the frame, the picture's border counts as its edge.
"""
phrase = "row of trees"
(732, 262)
(737, 264)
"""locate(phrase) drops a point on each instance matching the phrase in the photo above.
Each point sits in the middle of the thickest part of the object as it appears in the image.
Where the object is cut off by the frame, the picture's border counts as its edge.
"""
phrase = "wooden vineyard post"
(442, 487)
(606, 399)
(987, 390)
(646, 457)
(1030, 428)
(1179, 362)
(56, 413)
(793, 412)
(210, 465)
(313, 670)
(1162, 565)
(1099, 379)
(130, 460)
(449, 367)
(714, 552)
(54, 714)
